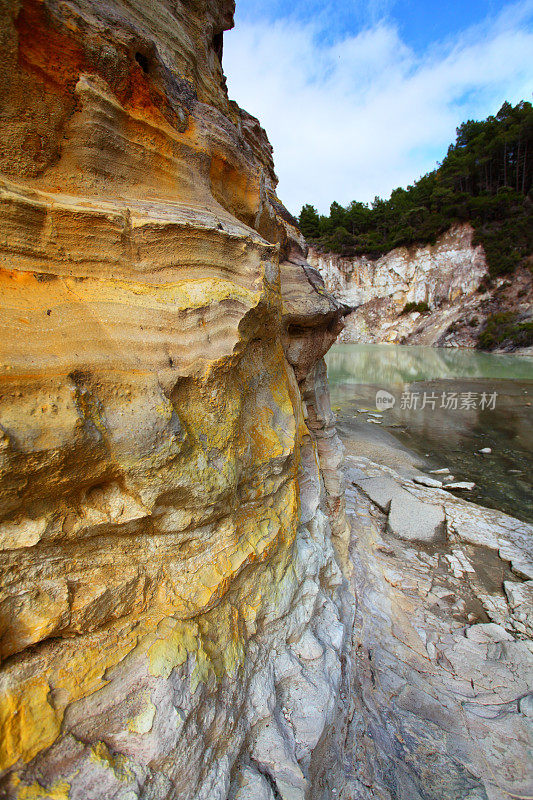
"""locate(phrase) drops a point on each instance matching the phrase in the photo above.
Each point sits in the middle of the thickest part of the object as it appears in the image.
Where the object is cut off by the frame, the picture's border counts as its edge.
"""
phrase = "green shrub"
(422, 308)
(522, 335)
(503, 328)
(485, 284)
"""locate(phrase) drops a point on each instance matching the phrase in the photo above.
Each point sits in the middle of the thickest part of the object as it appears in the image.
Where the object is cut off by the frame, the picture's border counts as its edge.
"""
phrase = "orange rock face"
(158, 322)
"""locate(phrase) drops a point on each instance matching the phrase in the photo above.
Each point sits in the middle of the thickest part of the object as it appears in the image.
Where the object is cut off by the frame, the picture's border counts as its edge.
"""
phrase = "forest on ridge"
(485, 178)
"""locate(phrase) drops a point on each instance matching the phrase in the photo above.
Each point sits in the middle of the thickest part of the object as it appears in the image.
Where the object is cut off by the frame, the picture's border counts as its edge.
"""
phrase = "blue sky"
(359, 97)
(420, 21)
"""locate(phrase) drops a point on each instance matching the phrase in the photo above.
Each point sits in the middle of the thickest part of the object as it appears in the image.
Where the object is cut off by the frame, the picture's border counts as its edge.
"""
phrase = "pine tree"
(309, 222)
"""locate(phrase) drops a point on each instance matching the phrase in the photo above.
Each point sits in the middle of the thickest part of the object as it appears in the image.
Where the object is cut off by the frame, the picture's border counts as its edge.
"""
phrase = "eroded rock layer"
(172, 612)
(442, 658)
(177, 576)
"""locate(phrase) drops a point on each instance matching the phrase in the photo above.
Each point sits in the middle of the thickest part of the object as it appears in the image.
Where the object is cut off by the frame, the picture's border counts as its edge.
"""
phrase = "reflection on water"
(385, 363)
(447, 436)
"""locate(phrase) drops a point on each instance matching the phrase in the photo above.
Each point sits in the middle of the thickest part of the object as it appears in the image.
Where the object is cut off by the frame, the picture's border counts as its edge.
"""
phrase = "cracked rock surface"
(442, 660)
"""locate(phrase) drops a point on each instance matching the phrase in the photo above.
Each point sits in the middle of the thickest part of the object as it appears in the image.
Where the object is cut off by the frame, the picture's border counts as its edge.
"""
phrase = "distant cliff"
(426, 294)
(485, 179)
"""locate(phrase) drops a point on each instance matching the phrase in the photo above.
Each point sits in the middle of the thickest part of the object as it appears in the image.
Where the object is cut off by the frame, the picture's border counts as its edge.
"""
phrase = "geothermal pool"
(448, 405)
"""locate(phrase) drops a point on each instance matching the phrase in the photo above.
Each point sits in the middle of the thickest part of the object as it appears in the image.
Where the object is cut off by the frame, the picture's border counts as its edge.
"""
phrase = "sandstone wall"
(172, 611)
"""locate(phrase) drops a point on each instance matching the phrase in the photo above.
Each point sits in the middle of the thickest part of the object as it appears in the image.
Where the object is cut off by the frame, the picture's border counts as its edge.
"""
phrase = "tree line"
(485, 178)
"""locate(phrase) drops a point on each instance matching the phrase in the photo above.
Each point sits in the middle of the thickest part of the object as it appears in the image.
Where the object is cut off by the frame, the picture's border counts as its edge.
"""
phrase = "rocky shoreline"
(442, 658)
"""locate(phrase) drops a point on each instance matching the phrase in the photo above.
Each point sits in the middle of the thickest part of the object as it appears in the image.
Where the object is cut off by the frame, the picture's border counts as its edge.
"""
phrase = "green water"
(385, 363)
(473, 400)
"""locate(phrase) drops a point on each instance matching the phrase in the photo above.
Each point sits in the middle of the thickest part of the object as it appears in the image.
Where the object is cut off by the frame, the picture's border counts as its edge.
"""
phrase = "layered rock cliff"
(171, 605)
(178, 575)
(450, 279)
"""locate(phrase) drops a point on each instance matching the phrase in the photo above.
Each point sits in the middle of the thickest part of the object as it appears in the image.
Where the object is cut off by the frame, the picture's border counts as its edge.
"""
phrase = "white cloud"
(358, 117)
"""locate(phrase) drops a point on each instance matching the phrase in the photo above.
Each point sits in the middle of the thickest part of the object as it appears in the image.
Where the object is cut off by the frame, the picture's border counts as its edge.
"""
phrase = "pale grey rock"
(520, 597)
(380, 490)
(415, 521)
(442, 471)
(456, 565)
(443, 593)
(273, 752)
(357, 473)
(308, 701)
(476, 794)
(463, 561)
(329, 626)
(488, 632)
(445, 275)
(253, 786)
(285, 665)
(432, 650)
(309, 479)
(525, 705)
(308, 647)
(485, 451)
(521, 562)
(467, 486)
(511, 538)
(397, 577)
(496, 608)
(424, 480)
(436, 703)
(469, 526)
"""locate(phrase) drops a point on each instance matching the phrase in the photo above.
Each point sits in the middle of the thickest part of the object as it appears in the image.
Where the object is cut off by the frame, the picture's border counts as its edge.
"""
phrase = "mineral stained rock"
(172, 611)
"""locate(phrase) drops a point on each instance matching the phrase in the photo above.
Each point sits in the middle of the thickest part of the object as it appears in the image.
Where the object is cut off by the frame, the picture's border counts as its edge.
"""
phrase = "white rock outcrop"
(443, 275)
